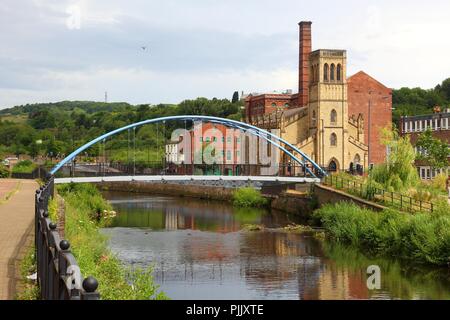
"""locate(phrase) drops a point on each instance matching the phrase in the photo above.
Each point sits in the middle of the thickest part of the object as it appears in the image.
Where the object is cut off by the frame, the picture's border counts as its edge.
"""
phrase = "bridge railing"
(58, 274)
(158, 168)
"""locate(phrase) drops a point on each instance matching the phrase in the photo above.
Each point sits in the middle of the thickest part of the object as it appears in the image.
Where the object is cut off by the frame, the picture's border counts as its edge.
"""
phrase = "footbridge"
(296, 166)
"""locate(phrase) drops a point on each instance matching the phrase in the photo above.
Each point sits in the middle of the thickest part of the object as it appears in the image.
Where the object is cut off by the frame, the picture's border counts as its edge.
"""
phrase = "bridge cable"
(104, 156)
(128, 149)
(134, 151)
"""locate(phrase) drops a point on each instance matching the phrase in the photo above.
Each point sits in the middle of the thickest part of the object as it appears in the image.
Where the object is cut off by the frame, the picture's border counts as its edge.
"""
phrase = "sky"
(54, 50)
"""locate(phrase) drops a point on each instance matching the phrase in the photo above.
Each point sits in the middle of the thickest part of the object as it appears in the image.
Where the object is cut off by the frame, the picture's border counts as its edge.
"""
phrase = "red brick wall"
(303, 69)
(266, 100)
(361, 89)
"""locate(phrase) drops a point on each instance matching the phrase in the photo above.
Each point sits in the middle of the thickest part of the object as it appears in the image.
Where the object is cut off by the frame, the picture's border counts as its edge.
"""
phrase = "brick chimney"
(303, 68)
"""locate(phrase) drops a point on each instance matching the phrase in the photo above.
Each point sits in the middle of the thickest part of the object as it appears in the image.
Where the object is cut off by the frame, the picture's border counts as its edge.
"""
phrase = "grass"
(421, 237)
(248, 197)
(84, 204)
(142, 157)
(24, 166)
(30, 290)
(423, 194)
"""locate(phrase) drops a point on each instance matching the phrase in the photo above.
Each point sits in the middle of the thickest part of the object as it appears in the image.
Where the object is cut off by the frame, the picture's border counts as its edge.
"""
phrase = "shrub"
(24, 166)
(4, 172)
(439, 182)
(248, 197)
(421, 237)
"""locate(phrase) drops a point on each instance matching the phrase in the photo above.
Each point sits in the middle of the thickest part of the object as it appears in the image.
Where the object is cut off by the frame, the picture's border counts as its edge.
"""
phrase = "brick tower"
(303, 68)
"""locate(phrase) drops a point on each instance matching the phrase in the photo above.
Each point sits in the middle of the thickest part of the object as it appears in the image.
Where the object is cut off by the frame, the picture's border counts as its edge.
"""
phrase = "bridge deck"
(186, 178)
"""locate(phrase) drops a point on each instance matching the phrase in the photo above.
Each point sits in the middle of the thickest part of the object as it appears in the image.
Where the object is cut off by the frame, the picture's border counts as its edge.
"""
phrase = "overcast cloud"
(54, 50)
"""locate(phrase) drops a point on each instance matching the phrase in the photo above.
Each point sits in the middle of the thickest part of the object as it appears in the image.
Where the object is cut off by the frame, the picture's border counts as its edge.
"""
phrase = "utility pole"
(106, 96)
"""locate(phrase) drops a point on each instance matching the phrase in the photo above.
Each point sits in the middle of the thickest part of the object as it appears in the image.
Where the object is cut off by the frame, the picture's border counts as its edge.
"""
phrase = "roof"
(365, 75)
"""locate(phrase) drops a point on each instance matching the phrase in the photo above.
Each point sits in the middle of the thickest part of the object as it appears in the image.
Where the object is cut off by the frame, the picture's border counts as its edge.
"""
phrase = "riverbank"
(422, 237)
(86, 211)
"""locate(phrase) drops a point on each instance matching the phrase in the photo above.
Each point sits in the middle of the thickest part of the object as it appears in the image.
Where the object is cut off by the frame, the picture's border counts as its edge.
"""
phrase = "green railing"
(372, 193)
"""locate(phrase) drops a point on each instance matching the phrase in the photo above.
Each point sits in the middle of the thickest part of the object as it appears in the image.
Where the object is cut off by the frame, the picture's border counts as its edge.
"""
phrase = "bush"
(421, 237)
(439, 182)
(4, 172)
(24, 166)
(248, 197)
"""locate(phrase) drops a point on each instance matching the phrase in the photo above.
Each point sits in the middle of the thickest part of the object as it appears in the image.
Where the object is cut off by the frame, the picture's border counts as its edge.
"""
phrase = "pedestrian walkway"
(16, 222)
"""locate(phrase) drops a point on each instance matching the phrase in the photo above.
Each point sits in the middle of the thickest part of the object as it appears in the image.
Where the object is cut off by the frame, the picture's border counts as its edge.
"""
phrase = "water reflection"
(198, 253)
(165, 213)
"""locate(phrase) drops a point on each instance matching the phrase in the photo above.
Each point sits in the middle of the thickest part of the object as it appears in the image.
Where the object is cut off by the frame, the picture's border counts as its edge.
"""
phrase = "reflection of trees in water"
(403, 280)
(182, 213)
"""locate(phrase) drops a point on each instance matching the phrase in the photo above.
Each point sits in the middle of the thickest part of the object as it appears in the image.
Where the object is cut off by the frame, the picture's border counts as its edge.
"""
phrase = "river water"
(198, 251)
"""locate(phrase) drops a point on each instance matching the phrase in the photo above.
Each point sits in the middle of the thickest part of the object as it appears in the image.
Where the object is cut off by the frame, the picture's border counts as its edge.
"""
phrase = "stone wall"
(293, 202)
(172, 189)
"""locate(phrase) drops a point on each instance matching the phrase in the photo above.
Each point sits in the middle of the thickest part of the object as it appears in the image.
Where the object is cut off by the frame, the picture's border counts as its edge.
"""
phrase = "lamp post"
(369, 126)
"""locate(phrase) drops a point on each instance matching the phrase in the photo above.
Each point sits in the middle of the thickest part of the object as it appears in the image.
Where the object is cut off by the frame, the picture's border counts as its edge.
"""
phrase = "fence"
(369, 192)
(58, 274)
(38, 173)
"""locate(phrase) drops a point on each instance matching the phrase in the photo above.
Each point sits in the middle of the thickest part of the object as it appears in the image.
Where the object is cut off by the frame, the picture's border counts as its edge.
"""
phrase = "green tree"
(432, 150)
(398, 172)
(235, 97)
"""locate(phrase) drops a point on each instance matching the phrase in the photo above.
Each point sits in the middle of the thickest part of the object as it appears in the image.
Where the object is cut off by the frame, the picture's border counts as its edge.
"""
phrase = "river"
(198, 251)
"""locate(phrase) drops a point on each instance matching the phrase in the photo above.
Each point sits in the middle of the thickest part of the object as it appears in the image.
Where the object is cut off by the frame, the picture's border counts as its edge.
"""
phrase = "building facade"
(327, 118)
(413, 126)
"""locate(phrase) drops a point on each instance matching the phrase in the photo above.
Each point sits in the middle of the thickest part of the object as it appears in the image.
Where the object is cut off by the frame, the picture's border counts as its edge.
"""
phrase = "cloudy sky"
(53, 50)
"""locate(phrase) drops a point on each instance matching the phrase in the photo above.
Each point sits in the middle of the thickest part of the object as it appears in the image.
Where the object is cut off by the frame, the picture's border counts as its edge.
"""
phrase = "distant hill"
(87, 106)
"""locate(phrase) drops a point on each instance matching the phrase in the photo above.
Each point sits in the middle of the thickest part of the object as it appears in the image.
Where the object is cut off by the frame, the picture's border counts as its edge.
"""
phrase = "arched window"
(333, 116)
(357, 159)
(332, 166)
(338, 72)
(333, 140)
(325, 72)
(332, 72)
(274, 104)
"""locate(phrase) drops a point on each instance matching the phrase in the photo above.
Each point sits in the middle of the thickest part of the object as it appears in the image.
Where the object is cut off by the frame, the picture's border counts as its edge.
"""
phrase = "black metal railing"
(58, 274)
(372, 193)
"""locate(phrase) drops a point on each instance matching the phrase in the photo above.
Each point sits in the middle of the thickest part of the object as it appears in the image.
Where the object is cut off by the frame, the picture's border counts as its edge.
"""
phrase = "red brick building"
(374, 101)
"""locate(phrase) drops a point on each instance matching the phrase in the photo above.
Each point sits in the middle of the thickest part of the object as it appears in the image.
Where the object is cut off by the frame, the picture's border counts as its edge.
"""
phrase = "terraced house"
(413, 126)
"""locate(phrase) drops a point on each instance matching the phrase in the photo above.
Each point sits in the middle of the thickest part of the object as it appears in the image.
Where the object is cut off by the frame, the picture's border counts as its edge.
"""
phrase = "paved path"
(16, 221)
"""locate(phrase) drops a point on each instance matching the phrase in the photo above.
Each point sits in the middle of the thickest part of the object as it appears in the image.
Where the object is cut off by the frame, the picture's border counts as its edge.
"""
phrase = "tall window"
(338, 72)
(333, 116)
(333, 140)
(325, 72)
(332, 72)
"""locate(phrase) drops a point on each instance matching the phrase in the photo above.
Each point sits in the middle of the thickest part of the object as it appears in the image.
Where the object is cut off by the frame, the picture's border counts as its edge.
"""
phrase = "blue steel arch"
(227, 122)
